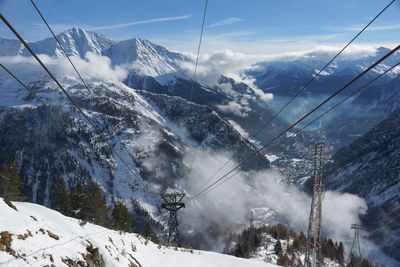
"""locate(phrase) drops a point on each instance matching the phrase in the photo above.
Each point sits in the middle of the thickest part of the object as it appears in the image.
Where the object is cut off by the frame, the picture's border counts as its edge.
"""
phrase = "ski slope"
(41, 236)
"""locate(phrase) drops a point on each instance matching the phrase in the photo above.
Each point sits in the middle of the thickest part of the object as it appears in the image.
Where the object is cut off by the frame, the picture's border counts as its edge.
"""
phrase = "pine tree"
(122, 218)
(64, 200)
(341, 252)
(98, 211)
(278, 247)
(11, 182)
(275, 233)
(80, 203)
(283, 260)
(150, 234)
(299, 242)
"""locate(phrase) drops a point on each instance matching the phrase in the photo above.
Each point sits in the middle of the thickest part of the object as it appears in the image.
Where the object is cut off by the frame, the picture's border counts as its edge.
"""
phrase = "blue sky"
(249, 26)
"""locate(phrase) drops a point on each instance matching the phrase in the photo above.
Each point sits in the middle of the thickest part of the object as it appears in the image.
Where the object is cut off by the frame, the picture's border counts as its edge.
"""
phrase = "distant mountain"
(155, 69)
(147, 58)
(76, 42)
(369, 167)
(10, 47)
(137, 54)
(364, 111)
(286, 77)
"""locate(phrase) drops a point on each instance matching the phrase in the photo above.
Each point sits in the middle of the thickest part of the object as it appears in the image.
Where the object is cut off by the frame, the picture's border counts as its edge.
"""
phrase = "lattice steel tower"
(356, 245)
(173, 203)
(313, 253)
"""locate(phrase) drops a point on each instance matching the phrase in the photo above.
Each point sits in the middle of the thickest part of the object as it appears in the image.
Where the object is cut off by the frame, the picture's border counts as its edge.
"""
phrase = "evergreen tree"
(11, 182)
(340, 252)
(64, 200)
(328, 249)
(299, 242)
(98, 210)
(80, 203)
(278, 247)
(150, 234)
(283, 260)
(275, 233)
(122, 218)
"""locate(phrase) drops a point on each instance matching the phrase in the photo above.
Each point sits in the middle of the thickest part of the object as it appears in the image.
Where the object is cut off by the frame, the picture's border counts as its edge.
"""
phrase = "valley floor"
(34, 235)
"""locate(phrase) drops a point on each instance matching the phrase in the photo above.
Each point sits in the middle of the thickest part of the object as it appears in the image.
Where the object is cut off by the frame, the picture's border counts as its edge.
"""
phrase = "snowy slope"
(136, 55)
(10, 47)
(40, 236)
(76, 42)
(147, 59)
(156, 137)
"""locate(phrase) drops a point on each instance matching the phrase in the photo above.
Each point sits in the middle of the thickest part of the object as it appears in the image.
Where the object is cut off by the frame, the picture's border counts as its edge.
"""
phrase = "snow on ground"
(267, 253)
(271, 157)
(40, 236)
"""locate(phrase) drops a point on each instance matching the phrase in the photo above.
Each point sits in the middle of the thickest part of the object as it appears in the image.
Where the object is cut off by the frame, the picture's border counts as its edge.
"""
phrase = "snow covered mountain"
(369, 167)
(76, 42)
(154, 123)
(37, 236)
(285, 77)
(364, 111)
(146, 58)
(153, 68)
(154, 136)
(137, 54)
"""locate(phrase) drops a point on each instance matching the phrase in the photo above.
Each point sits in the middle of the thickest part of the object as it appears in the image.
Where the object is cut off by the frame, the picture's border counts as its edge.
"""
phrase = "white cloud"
(257, 43)
(228, 63)
(224, 22)
(387, 27)
(339, 210)
(59, 27)
(96, 66)
(234, 65)
(239, 108)
(265, 193)
(92, 65)
(141, 22)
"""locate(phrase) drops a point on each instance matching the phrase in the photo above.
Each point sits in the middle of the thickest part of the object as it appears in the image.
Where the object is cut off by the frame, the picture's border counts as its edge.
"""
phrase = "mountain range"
(157, 117)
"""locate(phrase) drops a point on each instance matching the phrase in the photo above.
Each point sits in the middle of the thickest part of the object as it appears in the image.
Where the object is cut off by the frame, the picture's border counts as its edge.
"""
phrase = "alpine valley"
(161, 130)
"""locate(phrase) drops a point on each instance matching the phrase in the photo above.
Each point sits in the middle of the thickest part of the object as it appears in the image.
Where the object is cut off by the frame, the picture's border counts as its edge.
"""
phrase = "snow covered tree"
(10, 182)
(121, 217)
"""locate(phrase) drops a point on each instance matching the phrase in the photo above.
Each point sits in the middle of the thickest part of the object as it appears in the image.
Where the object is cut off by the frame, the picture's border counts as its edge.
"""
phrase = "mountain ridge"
(368, 167)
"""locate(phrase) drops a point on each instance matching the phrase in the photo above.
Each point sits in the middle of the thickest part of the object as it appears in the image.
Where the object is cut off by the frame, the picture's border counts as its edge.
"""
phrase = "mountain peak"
(82, 33)
(78, 42)
(139, 49)
(382, 50)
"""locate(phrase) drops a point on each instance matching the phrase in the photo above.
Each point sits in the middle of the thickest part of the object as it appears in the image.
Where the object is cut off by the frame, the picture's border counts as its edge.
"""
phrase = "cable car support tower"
(314, 249)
